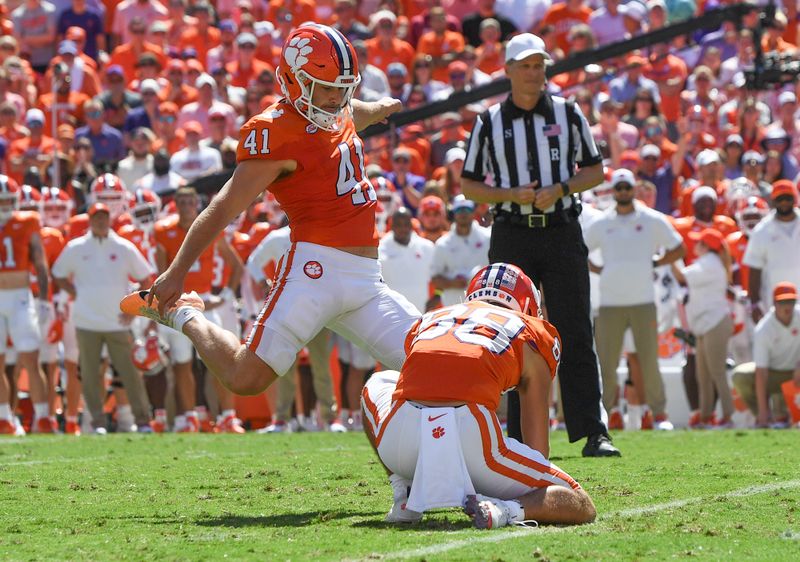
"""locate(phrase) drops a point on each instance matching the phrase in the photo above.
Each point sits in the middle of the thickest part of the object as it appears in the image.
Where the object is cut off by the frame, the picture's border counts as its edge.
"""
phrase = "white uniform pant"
(498, 466)
(19, 320)
(319, 287)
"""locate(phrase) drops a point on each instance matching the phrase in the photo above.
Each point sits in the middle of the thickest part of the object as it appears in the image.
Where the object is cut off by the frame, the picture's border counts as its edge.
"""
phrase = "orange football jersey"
(328, 199)
(685, 225)
(144, 242)
(78, 225)
(222, 271)
(737, 243)
(52, 243)
(15, 241)
(472, 352)
(170, 235)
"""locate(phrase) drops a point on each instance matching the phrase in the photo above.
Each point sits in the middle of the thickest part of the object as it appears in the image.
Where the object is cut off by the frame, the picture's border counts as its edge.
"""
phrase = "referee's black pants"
(555, 258)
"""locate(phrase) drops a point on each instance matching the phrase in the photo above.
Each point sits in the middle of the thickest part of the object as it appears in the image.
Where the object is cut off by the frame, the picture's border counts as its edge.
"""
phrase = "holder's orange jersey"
(52, 242)
(328, 198)
(241, 244)
(170, 235)
(15, 241)
(472, 352)
(78, 225)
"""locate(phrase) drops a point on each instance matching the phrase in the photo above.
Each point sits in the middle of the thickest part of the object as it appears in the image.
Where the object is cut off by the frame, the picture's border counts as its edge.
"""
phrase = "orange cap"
(784, 292)
(98, 208)
(711, 237)
(783, 187)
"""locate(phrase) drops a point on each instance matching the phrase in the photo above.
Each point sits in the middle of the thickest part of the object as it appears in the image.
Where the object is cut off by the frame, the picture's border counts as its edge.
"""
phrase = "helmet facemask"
(326, 120)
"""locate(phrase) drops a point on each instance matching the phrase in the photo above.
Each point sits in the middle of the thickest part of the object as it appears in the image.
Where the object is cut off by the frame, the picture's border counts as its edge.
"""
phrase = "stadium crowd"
(119, 121)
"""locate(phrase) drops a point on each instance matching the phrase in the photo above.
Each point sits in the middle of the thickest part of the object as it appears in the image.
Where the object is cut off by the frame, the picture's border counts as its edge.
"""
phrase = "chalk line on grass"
(520, 532)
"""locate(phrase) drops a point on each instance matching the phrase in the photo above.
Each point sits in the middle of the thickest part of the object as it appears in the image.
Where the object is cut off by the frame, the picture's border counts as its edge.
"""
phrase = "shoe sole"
(135, 304)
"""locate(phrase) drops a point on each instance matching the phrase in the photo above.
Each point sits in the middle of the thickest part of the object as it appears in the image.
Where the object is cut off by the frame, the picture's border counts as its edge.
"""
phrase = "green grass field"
(701, 496)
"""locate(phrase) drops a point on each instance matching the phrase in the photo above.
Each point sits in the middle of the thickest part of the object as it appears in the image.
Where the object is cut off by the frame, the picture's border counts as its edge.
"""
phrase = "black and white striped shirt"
(510, 147)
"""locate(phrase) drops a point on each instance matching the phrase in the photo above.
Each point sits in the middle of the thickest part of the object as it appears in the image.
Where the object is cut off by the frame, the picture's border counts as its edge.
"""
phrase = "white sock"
(191, 414)
(160, 414)
(202, 412)
(41, 410)
(124, 411)
(400, 486)
(180, 422)
(5, 412)
(515, 511)
(226, 413)
(184, 314)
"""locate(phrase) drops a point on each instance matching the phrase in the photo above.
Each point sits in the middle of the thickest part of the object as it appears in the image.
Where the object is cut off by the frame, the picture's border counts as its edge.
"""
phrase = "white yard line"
(516, 533)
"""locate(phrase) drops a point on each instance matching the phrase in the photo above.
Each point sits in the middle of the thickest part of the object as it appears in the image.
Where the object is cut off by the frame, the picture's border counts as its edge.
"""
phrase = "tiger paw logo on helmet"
(296, 52)
(316, 56)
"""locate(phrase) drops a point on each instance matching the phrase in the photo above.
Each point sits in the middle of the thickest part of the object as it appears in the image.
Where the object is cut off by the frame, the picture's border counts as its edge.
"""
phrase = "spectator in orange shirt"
(420, 24)
(301, 10)
(178, 20)
(84, 77)
(68, 105)
(166, 129)
(148, 68)
(266, 50)
(10, 128)
(6, 95)
(385, 48)
(246, 67)
(772, 41)
(33, 150)
(177, 91)
(669, 73)
(564, 17)
(78, 35)
(442, 44)
(490, 52)
(127, 54)
(201, 37)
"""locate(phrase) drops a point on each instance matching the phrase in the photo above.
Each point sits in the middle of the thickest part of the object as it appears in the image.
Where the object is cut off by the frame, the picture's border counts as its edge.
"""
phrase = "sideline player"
(21, 247)
(305, 150)
(169, 236)
(461, 359)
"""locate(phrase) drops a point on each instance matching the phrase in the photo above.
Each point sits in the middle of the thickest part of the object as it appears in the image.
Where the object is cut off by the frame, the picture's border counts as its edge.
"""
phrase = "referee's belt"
(538, 220)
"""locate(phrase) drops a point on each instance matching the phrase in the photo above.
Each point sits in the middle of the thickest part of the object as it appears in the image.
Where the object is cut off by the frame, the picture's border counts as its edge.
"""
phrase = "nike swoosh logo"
(431, 418)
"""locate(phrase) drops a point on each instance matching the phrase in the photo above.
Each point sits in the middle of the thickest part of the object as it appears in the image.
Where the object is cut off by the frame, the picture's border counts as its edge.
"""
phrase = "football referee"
(538, 152)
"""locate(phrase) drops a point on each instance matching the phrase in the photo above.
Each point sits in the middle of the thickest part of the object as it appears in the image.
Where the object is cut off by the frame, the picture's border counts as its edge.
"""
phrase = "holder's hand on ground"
(524, 194)
(166, 290)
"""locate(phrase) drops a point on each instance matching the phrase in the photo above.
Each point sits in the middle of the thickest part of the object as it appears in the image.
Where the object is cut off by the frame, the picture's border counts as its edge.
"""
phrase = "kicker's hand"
(166, 290)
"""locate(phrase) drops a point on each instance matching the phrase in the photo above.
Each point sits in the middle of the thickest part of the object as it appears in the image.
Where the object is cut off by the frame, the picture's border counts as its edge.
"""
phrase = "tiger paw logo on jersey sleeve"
(313, 269)
(297, 51)
(437, 432)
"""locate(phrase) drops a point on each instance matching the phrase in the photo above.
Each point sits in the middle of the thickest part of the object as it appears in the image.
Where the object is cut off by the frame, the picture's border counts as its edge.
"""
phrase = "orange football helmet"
(110, 190)
(29, 198)
(9, 198)
(317, 55)
(55, 207)
(145, 207)
(506, 285)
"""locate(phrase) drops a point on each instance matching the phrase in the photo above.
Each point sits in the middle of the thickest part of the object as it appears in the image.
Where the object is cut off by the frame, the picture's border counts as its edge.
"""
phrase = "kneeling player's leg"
(506, 469)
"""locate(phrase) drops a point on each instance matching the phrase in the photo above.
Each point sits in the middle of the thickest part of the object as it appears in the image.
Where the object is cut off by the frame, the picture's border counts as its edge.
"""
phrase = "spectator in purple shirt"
(87, 18)
(107, 142)
(409, 185)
